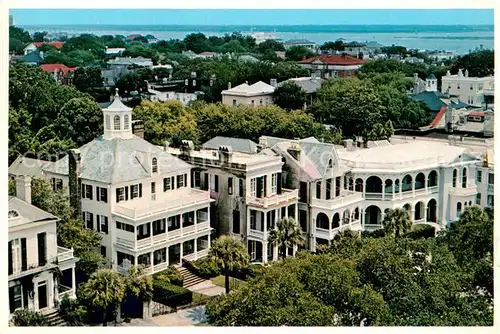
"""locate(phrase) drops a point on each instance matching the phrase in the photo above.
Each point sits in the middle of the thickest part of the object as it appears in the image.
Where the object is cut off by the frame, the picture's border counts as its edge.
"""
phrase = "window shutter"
(206, 185)
(98, 222)
(105, 195)
(91, 196)
(24, 255)
(216, 183)
(172, 182)
(192, 179)
(126, 193)
(83, 190)
(265, 185)
(185, 180)
(117, 196)
(279, 182)
(25, 295)
(97, 194)
(11, 269)
(11, 300)
(140, 189)
(90, 224)
(105, 225)
(42, 248)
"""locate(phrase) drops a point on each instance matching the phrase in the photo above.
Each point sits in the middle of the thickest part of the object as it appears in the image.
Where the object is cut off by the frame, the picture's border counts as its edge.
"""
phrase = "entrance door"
(42, 295)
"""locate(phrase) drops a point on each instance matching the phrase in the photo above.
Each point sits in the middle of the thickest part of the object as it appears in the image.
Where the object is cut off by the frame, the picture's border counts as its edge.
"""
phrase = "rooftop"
(298, 42)
(309, 84)
(57, 45)
(25, 213)
(334, 60)
(237, 144)
(57, 68)
(258, 88)
(28, 166)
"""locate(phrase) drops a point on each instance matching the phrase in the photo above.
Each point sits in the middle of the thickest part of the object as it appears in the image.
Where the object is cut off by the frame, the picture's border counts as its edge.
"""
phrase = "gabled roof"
(119, 160)
(51, 68)
(117, 105)
(32, 57)
(236, 144)
(258, 88)
(309, 84)
(57, 45)
(431, 99)
(334, 60)
(28, 166)
(28, 213)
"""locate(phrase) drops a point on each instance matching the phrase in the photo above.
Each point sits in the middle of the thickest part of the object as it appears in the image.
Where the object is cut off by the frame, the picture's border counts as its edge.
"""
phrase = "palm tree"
(229, 254)
(138, 284)
(286, 234)
(397, 222)
(103, 290)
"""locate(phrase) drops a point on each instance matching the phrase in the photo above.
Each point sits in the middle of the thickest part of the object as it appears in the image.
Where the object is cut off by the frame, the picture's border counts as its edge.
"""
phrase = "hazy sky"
(251, 17)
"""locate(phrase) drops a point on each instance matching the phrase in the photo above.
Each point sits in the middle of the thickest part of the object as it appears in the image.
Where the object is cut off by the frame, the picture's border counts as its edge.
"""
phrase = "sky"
(252, 17)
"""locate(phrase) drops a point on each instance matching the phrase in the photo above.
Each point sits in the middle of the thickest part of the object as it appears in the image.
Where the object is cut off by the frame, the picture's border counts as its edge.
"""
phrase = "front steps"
(190, 279)
(55, 319)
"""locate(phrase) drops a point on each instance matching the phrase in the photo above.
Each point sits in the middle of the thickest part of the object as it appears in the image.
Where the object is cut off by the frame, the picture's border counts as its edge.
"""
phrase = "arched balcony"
(346, 217)
(432, 179)
(432, 211)
(358, 187)
(407, 184)
(322, 221)
(420, 181)
(419, 211)
(373, 215)
(373, 188)
(336, 220)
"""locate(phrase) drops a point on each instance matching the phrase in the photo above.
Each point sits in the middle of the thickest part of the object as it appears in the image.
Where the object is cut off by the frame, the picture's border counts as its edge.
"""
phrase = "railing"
(33, 268)
(188, 230)
(287, 196)
(143, 242)
(256, 234)
(64, 290)
(372, 227)
(470, 190)
(160, 267)
(64, 254)
(355, 224)
(419, 221)
(190, 257)
(194, 196)
(373, 195)
(347, 198)
(203, 253)
(202, 216)
(322, 233)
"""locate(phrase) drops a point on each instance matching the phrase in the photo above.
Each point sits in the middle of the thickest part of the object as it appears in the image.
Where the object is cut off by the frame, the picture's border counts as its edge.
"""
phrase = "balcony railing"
(33, 268)
(347, 198)
(64, 290)
(284, 198)
(469, 190)
(192, 197)
(64, 254)
(256, 234)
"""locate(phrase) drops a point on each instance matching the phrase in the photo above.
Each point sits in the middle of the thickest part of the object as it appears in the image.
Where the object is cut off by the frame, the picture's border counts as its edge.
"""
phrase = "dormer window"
(108, 123)
(13, 214)
(154, 165)
(117, 122)
(330, 163)
(126, 122)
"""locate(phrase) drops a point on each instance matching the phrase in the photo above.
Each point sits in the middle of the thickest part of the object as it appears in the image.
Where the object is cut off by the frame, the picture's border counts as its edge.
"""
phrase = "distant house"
(114, 52)
(413, 60)
(130, 62)
(468, 89)
(207, 55)
(332, 66)
(309, 84)
(258, 94)
(34, 58)
(133, 36)
(355, 48)
(280, 54)
(151, 39)
(36, 45)
(63, 74)
(248, 59)
(373, 47)
(299, 42)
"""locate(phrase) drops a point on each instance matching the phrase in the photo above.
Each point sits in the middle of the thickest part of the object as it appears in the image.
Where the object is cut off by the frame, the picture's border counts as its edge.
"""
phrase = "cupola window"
(117, 122)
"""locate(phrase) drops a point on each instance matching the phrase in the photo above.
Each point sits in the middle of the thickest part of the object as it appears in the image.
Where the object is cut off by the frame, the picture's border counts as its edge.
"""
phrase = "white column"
(195, 249)
(150, 233)
(73, 280)
(151, 260)
(294, 249)
(275, 253)
(264, 251)
(180, 259)
(166, 256)
(296, 211)
(413, 182)
(393, 188)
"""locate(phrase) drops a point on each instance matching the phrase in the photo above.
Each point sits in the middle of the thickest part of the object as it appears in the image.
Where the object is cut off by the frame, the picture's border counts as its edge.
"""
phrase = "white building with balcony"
(136, 195)
(469, 90)
(40, 272)
(247, 189)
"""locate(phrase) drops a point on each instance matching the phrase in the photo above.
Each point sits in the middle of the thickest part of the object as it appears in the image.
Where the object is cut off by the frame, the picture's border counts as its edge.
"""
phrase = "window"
(253, 220)
(230, 185)
(16, 298)
(103, 251)
(234, 103)
(180, 181)
(121, 194)
(135, 191)
(490, 200)
(480, 86)
(153, 191)
(154, 165)
(458, 86)
(86, 191)
(15, 256)
(478, 199)
(236, 222)
(42, 248)
(464, 178)
(102, 224)
(318, 190)
(241, 187)
(253, 187)
(471, 86)
(108, 123)
(57, 184)
(471, 100)
(337, 186)
(455, 172)
(143, 231)
(88, 218)
(124, 227)
(197, 179)
(159, 226)
(260, 101)
(253, 103)
(117, 122)
(491, 178)
(479, 176)
(274, 183)
(126, 122)
(328, 184)
(168, 183)
(102, 194)
(459, 208)
(214, 184)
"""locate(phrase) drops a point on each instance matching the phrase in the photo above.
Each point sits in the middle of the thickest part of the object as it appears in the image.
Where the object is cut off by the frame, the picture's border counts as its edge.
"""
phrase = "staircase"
(190, 279)
(55, 319)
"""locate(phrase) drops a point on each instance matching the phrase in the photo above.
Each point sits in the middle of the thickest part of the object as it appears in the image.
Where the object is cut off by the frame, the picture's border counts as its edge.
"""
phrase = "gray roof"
(248, 59)
(28, 212)
(119, 160)
(309, 84)
(237, 144)
(28, 167)
(298, 42)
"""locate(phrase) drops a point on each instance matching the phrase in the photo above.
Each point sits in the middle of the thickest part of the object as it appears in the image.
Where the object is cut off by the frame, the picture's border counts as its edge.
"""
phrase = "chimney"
(74, 160)
(166, 144)
(225, 154)
(186, 147)
(229, 85)
(448, 73)
(138, 128)
(460, 74)
(274, 83)
(23, 188)
(294, 150)
(466, 73)
(348, 144)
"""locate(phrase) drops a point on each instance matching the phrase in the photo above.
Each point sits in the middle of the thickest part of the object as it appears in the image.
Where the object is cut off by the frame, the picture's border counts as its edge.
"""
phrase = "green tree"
(104, 291)
(397, 222)
(90, 262)
(296, 53)
(138, 285)
(39, 36)
(196, 42)
(287, 234)
(229, 254)
(29, 318)
(19, 34)
(290, 96)
(85, 42)
(479, 63)
(271, 45)
(16, 46)
(338, 45)
(86, 78)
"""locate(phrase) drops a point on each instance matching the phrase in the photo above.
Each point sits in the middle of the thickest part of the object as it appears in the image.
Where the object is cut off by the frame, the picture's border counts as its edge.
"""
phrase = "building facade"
(258, 94)
(470, 90)
(34, 258)
(332, 66)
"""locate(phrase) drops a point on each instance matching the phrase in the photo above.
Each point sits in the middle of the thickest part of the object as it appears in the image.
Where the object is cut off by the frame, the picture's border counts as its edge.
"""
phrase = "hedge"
(170, 294)
(421, 231)
(204, 268)
(170, 275)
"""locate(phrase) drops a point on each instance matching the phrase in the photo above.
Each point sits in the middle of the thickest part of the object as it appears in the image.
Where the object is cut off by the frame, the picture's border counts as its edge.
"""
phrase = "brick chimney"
(274, 83)
(23, 188)
(74, 160)
(166, 144)
(186, 147)
(225, 154)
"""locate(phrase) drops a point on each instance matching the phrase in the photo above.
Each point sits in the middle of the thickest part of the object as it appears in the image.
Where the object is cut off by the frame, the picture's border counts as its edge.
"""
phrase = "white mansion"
(156, 205)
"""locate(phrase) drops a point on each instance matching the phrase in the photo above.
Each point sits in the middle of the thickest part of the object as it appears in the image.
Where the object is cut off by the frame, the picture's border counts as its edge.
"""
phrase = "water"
(455, 38)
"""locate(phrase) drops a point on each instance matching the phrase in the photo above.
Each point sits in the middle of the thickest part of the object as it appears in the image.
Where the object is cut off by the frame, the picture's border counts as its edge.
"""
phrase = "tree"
(90, 262)
(39, 36)
(139, 285)
(290, 96)
(479, 63)
(287, 234)
(397, 222)
(29, 318)
(297, 53)
(104, 291)
(86, 78)
(338, 45)
(19, 34)
(196, 42)
(229, 254)
(270, 45)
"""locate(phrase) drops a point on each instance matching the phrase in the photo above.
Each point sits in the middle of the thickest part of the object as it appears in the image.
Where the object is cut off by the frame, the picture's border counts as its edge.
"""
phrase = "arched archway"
(455, 174)
(459, 209)
(432, 179)
(406, 184)
(346, 217)
(336, 220)
(419, 211)
(154, 165)
(420, 181)
(358, 186)
(470, 203)
(374, 185)
(322, 221)
(396, 186)
(388, 186)
(464, 177)
(373, 215)
(407, 207)
(356, 214)
(432, 211)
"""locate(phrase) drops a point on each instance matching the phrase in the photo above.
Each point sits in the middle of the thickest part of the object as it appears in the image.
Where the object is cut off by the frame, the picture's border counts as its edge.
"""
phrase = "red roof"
(438, 117)
(334, 60)
(56, 67)
(57, 45)
(477, 113)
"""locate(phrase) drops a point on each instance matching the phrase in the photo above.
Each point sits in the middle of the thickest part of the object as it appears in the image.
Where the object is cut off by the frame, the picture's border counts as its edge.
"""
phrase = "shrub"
(73, 312)
(380, 233)
(205, 267)
(421, 231)
(170, 294)
(29, 318)
(170, 275)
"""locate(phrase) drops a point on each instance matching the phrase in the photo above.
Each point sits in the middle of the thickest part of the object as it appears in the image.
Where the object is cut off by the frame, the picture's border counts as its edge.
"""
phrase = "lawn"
(233, 282)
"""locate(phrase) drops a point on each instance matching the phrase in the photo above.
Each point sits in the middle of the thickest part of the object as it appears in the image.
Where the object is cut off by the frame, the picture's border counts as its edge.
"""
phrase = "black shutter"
(42, 248)
(97, 194)
(205, 185)
(185, 180)
(90, 192)
(83, 190)
(105, 226)
(216, 183)
(279, 183)
(241, 188)
(11, 300)
(259, 187)
(140, 189)
(11, 269)
(24, 255)
(90, 223)
(126, 193)
(117, 196)
(230, 185)
(192, 178)
(265, 186)
(25, 295)
(105, 195)
(172, 182)
(98, 222)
